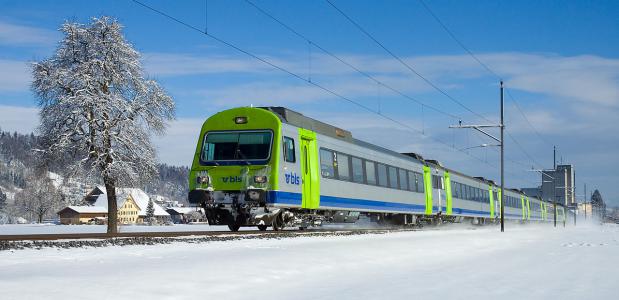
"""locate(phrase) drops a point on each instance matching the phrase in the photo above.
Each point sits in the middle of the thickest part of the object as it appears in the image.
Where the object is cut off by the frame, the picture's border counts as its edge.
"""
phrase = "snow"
(55, 178)
(526, 262)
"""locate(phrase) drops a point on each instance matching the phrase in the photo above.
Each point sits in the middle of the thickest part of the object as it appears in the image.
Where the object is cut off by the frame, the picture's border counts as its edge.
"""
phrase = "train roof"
(297, 119)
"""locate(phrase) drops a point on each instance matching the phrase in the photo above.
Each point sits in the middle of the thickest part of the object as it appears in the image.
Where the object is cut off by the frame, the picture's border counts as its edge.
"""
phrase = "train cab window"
(403, 179)
(289, 155)
(327, 163)
(357, 169)
(393, 177)
(382, 174)
(228, 146)
(343, 166)
(370, 172)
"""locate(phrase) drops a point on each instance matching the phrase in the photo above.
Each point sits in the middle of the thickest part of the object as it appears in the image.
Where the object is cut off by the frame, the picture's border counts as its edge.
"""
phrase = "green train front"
(235, 165)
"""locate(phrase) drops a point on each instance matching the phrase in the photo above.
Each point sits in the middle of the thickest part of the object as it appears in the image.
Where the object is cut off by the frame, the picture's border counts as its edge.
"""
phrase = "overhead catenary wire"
(485, 66)
(299, 77)
(402, 62)
(350, 65)
(509, 94)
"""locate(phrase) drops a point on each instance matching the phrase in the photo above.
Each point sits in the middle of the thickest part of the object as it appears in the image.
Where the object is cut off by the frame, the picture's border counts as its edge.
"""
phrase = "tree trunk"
(112, 209)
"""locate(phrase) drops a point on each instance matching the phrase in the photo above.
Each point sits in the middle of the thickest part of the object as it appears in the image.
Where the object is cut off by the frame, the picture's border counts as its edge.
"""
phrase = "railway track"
(166, 234)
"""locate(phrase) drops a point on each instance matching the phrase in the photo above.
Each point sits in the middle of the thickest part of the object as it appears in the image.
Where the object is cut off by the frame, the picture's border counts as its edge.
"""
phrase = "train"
(274, 167)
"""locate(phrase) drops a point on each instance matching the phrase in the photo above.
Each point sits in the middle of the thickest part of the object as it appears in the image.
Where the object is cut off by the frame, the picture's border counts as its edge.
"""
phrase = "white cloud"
(172, 64)
(22, 35)
(18, 118)
(15, 75)
(178, 145)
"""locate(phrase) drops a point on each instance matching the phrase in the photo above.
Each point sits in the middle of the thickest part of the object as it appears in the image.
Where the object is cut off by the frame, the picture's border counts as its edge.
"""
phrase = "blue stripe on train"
(280, 197)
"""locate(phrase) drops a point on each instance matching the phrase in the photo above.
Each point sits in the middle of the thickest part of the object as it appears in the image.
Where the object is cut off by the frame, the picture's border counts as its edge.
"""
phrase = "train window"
(343, 166)
(370, 172)
(357, 170)
(289, 149)
(469, 192)
(403, 180)
(393, 177)
(454, 190)
(382, 174)
(412, 185)
(420, 186)
(327, 163)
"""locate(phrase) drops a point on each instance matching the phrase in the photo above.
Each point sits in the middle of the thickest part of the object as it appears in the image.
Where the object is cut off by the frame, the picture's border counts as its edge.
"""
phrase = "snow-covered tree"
(2, 200)
(150, 212)
(39, 199)
(98, 110)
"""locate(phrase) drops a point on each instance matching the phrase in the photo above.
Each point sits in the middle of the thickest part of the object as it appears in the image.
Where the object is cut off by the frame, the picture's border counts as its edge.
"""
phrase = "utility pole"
(575, 204)
(502, 163)
(554, 158)
(501, 144)
(585, 201)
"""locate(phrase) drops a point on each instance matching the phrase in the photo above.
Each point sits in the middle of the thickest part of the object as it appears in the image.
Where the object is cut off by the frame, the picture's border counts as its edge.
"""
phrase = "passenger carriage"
(275, 167)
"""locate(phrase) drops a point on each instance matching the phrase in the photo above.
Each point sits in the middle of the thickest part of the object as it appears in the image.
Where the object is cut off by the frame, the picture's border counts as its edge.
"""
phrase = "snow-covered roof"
(87, 209)
(182, 210)
(138, 195)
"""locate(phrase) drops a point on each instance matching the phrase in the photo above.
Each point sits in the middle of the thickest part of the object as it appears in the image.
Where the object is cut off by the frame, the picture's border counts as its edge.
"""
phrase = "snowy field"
(527, 262)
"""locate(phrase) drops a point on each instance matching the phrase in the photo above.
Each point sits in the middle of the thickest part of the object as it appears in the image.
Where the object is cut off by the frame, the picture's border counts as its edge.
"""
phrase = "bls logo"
(293, 178)
(232, 179)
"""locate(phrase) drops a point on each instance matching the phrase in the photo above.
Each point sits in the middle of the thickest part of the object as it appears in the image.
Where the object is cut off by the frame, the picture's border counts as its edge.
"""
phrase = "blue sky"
(559, 59)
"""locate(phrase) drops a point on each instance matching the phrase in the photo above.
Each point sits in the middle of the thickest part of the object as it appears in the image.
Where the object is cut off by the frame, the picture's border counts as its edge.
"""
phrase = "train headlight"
(202, 179)
(260, 179)
(240, 120)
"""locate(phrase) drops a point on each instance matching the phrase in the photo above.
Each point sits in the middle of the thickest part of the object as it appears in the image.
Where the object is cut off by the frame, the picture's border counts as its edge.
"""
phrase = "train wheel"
(278, 223)
(262, 227)
(234, 227)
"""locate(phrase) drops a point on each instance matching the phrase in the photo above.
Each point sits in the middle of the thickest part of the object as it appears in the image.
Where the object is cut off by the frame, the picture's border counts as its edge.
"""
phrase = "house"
(182, 215)
(92, 196)
(82, 214)
(131, 204)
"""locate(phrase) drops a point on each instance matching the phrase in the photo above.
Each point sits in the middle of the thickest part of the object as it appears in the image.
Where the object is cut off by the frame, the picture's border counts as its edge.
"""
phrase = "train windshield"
(236, 146)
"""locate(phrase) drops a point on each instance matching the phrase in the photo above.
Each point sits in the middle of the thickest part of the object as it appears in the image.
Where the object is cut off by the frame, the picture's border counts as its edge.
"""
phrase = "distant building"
(92, 196)
(182, 215)
(558, 185)
(131, 204)
(82, 215)
(533, 192)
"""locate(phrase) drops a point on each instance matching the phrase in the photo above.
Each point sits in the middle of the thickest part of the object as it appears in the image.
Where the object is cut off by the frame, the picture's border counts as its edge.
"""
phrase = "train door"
(310, 180)
(429, 191)
(438, 193)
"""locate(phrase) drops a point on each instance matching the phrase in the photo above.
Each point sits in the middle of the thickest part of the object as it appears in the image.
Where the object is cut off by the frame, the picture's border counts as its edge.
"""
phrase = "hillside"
(19, 169)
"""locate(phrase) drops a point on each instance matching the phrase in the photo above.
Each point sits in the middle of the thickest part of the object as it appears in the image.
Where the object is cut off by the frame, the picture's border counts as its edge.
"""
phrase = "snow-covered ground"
(527, 262)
